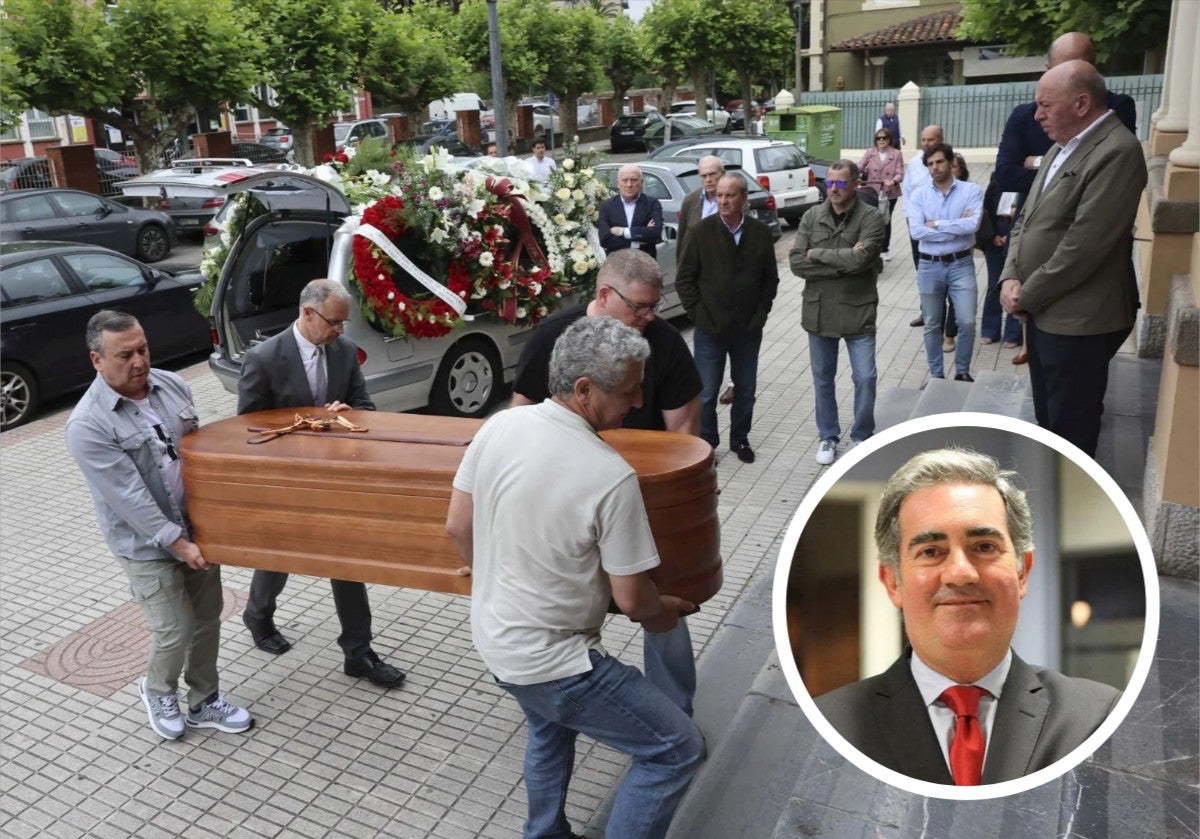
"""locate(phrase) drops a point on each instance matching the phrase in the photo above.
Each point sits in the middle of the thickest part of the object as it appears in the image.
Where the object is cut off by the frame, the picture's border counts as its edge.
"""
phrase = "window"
(241, 113)
(778, 159)
(655, 188)
(101, 271)
(78, 205)
(34, 208)
(31, 282)
(40, 124)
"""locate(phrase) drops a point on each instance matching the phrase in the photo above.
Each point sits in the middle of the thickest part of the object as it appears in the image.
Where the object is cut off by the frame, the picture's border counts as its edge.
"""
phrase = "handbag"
(885, 206)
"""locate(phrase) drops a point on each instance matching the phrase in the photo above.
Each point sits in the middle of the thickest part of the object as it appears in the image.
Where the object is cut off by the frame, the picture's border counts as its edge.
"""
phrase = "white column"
(908, 109)
(1181, 66)
(1189, 153)
(816, 46)
(1172, 37)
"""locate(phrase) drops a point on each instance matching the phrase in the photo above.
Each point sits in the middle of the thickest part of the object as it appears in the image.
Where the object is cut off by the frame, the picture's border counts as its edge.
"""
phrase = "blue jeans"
(710, 351)
(936, 281)
(823, 354)
(989, 323)
(670, 664)
(614, 705)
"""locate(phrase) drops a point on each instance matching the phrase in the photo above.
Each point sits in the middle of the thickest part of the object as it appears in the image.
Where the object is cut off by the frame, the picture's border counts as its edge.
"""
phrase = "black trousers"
(1069, 375)
(949, 322)
(350, 600)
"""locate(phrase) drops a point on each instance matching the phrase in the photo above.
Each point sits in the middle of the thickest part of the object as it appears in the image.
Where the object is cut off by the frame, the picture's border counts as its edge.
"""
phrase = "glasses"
(883, 137)
(640, 310)
(839, 184)
(333, 324)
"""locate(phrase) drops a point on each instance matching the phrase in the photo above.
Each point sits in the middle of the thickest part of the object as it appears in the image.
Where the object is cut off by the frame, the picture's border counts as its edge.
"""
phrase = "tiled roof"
(937, 28)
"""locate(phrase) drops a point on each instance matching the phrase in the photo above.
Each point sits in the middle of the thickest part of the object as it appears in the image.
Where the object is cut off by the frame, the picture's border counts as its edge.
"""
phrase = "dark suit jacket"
(724, 285)
(273, 376)
(689, 214)
(1023, 137)
(1072, 247)
(1042, 716)
(645, 211)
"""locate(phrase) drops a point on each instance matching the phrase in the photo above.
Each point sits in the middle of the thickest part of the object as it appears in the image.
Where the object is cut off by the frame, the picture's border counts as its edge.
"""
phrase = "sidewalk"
(329, 755)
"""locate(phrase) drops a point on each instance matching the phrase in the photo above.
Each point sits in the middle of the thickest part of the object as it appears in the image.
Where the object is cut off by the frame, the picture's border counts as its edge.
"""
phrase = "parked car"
(681, 126)
(70, 215)
(778, 165)
(450, 142)
(280, 251)
(716, 115)
(280, 138)
(115, 159)
(34, 172)
(353, 133)
(545, 118)
(628, 131)
(441, 128)
(51, 289)
(191, 191)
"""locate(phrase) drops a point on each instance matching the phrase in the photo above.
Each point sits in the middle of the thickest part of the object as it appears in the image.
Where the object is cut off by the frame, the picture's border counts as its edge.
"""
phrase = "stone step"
(941, 396)
(894, 405)
(1007, 394)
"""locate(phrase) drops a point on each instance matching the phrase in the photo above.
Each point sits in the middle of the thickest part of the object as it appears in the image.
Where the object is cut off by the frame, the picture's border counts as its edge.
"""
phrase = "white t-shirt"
(556, 509)
(542, 168)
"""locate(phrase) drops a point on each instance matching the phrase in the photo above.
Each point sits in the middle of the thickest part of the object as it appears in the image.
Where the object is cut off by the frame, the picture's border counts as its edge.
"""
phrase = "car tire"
(467, 381)
(153, 243)
(18, 395)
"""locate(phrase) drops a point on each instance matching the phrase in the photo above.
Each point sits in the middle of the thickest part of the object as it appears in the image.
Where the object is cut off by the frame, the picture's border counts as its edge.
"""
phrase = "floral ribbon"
(354, 225)
(507, 191)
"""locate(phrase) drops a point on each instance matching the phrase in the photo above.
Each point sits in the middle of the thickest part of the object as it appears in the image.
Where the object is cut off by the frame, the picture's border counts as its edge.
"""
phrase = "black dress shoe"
(371, 666)
(919, 320)
(266, 637)
(963, 377)
(744, 453)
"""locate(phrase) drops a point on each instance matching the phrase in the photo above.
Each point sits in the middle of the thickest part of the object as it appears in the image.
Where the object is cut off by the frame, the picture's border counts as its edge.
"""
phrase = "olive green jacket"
(840, 298)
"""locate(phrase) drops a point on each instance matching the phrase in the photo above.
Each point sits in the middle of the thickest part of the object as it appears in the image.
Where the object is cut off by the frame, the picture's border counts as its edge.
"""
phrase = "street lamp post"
(499, 129)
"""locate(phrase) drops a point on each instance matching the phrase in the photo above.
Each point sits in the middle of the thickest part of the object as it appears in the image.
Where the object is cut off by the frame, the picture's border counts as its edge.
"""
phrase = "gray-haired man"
(125, 434)
(545, 566)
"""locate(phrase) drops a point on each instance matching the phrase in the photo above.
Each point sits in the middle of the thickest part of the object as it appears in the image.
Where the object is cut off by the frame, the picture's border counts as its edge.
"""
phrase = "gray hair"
(720, 163)
(950, 466)
(107, 320)
(627, 266)
(596, 348)
(735, 179)
(845, 165)
(318, 291)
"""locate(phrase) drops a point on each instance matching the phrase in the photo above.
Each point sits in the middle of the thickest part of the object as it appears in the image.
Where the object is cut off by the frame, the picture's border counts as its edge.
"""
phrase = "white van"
(448, 107)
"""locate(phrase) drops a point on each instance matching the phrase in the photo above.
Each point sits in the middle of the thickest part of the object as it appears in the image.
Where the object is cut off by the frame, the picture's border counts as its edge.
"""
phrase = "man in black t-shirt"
(629, 289)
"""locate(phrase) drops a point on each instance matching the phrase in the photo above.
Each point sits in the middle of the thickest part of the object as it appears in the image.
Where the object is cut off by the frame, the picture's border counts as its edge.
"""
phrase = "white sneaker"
(221, 715)
(826, 452)
(163, 709)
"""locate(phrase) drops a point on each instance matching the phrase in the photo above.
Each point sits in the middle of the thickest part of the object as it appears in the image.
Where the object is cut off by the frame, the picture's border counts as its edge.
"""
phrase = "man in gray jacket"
(125, 434)
(837, 254)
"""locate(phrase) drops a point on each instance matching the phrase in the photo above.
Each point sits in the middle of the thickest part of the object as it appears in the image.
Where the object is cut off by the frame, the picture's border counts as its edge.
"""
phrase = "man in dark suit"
(959, 706)
(1070, 255)
(701, 202)
(312, 364)
(630, 219)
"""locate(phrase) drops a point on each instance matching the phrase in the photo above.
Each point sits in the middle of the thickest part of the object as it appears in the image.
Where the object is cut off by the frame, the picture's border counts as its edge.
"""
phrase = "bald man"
(630, 219)
(1070, 255)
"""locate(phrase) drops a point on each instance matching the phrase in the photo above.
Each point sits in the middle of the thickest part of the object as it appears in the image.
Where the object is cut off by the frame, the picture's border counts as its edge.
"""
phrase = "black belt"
(950, 257)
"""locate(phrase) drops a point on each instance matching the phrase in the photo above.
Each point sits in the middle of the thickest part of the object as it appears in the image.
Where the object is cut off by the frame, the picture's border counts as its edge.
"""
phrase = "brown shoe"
(726, 397)
(1021, 358)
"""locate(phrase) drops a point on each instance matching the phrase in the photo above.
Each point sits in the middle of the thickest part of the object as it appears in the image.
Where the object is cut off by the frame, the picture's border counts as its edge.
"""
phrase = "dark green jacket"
(726, 286)
(840, 298)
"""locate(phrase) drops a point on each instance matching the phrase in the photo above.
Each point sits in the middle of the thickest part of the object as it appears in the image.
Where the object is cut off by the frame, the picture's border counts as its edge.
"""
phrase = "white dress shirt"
(932, 684)
(311, 354)
(1065, 151)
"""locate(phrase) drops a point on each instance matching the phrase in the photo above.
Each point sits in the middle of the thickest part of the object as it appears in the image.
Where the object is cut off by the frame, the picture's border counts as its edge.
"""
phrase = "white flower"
(593, 264)
(504, 284)
(436, 194)
(475, 206)
(580, 245)
(391, 294)
(535, 288)
(400, 306)
(568, 164)
(578, 195)
(569, 179)
(581, 267)
(563, 194)
(522, 311)
(486, 259)
(587, 173)
(438, 235)
(541, 310)
(560, 219)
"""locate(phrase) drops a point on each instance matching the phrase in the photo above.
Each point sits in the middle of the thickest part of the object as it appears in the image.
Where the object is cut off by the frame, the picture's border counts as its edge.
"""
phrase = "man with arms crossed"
(630, 219)
(1070, 255)
(125, 434)
(312, 364)
(629, 289)
(546, 556)
(836, 252)
(960, 707)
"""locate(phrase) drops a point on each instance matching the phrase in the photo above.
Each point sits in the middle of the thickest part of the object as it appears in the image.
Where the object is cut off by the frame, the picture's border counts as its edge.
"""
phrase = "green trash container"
(816, 129)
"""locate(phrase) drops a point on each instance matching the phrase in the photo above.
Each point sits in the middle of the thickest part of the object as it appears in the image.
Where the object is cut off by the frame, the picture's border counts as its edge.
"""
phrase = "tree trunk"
(700, 91)
(568, 112)
(302, 148)
(747, 102)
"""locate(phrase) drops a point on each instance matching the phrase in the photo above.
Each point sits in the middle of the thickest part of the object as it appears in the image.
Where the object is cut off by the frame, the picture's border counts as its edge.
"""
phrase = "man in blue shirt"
(943, 218)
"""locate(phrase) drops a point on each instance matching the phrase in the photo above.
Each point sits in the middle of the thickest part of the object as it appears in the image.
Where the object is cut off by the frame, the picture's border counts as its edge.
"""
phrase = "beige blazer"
(1072, 247)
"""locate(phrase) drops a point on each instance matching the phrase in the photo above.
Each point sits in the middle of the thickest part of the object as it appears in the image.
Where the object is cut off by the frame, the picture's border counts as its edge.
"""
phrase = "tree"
(1118, 27)
(622, 57)
(764, 33)
(316, 55)
(571, 40)
(682, 34)
(13, 81)
(144, 66)
(411, 63)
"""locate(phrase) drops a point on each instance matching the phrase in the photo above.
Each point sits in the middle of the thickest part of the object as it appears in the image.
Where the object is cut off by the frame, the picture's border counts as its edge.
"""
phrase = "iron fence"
(860, 110)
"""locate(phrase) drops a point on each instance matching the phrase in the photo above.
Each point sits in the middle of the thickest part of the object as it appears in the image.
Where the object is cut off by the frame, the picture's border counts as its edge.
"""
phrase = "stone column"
(1183, 44)
(1183, 170)
(908, 109)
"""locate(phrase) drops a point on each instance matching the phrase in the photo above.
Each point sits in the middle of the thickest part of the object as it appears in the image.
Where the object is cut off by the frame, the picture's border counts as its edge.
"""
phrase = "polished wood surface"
(365, 507)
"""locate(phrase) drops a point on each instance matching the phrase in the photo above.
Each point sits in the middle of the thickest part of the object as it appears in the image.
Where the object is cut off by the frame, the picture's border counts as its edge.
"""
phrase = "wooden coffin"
(372, 506)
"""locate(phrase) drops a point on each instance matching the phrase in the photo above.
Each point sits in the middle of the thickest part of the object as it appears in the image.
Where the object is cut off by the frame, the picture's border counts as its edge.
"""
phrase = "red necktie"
(967, 747)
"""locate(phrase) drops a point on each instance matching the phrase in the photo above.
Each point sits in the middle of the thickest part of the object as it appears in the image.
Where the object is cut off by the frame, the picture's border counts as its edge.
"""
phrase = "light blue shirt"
(954, 233)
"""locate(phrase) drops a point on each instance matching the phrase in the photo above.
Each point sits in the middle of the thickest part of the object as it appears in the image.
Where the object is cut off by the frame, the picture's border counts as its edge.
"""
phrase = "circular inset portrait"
(962, 609)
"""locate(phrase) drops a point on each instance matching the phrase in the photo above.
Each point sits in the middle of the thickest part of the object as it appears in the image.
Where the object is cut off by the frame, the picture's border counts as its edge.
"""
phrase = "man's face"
(322, 324)
(841, 196)
(940, 169)
(539, 150)
(960, 583)
(889, 110)
(632, 305)
(606, 409)
(710, 174)
(125, 361)
(629, 182)
(731, 200)
(930, 137)
(1058, 111)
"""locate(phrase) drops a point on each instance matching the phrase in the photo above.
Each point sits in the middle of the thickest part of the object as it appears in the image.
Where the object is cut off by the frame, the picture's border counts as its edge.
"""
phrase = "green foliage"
(411, 61)
(682, 34)
(13, 81)
(571, 41)
(1118, 27)
(623, 54)
(373, 153)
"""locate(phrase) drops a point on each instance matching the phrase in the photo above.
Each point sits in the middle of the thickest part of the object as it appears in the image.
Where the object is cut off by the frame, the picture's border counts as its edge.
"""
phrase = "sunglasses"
(839, 184)
(883, 137)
